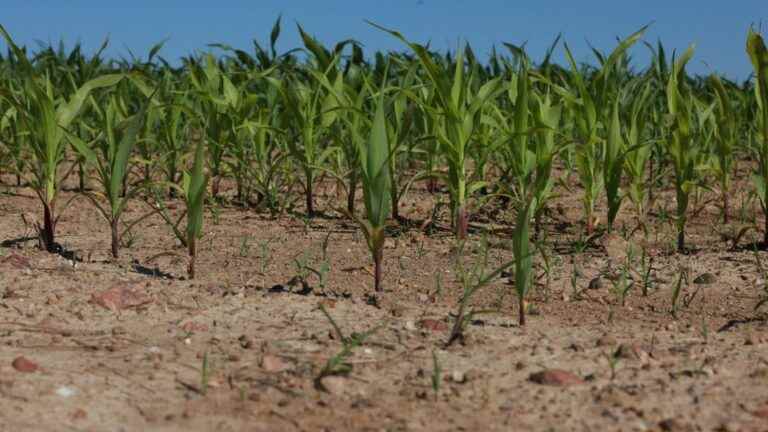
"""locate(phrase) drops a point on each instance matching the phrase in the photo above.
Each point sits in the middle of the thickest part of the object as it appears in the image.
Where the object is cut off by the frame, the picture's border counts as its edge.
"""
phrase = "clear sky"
(718, 28)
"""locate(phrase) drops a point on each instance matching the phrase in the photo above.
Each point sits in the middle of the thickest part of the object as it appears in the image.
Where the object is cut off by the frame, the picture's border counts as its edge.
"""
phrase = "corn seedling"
(471, 281)
(192, 190)
(339, 364)
(437, 374)
(758, 55)
(682, 147)
(374, 168)
(45, 117)
(111, 154)
(459, 106)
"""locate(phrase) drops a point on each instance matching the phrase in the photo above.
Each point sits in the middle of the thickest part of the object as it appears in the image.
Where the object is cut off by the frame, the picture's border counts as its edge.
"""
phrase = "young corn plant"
(726, 138)
(590, 101)
(111, 155)
(613, 163)
(192, 190)
(45, 116)
(758, 55)
(309, 112)
(521, 248)
(683, 150)
(458, 105)
(639, 151)
(374, 171)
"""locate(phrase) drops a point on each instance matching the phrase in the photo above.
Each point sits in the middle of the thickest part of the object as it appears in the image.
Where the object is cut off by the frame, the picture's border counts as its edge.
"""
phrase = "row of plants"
(278, 125)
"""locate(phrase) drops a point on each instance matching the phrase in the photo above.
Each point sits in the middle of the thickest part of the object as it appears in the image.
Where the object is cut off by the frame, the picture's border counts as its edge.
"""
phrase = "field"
(265, 341)
(415, 241)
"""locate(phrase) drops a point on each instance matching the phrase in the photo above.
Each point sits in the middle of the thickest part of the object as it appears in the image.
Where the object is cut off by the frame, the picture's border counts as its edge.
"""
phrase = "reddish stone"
(23, 364)
(433, 325)
(272, 363)
(16, 261)
(193, 327)
(555, 377)
(121, 297)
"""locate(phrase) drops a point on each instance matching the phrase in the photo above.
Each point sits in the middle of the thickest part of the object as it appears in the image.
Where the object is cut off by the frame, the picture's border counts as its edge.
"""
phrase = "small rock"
(333, 384)
(555, 377)
(121, 297)
(613, 396)
(410, 325)
(615, 246)
(245, 342)
(729, 426)
(119, 331)
(79, 414)
(606, 341)
(674, 425)
(274, 364)
(23, 364)
(596, 283)
(705, 279)
(16, 261)
(628, 352)
(761, 412)
(327, 303)
(433, 325)
(458, 377)
(193, 327)
(65, 391)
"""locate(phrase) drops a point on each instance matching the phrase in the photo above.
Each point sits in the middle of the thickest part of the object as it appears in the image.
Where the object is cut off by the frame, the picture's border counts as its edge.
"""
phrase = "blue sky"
(717, 28)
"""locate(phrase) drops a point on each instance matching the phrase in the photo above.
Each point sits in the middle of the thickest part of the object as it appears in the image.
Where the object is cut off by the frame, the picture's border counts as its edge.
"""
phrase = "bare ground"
(241, 346)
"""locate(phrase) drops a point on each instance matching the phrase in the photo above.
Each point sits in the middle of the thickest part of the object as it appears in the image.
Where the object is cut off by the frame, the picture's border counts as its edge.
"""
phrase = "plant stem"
(462, 223)
(114, 226)
(351, 192)
(192, 256)
(48, 232)
(378, 256)
(309, 201)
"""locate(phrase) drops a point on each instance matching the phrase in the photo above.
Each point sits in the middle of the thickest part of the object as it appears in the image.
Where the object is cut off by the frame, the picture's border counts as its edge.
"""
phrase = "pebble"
(674, 425)
(596, 283)
(334, 385)
(628, 352)
(761, 412)
(605, 341)
(555, 377)
(25, 365)
(273, 363)
(458, 377)
(705, 279)
(65, 391)
(433, 325)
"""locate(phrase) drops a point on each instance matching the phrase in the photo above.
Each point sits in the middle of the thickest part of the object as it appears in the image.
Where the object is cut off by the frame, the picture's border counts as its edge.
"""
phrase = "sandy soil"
(242, 346)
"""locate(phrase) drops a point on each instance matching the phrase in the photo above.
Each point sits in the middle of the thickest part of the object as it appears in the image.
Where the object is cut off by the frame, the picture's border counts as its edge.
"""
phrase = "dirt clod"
(596, 283)
(274, 364)
(675, 425)
(705, 279)
(555, 377)
(606, 341)
(25, 365)
(433, 325)
(121, 297)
